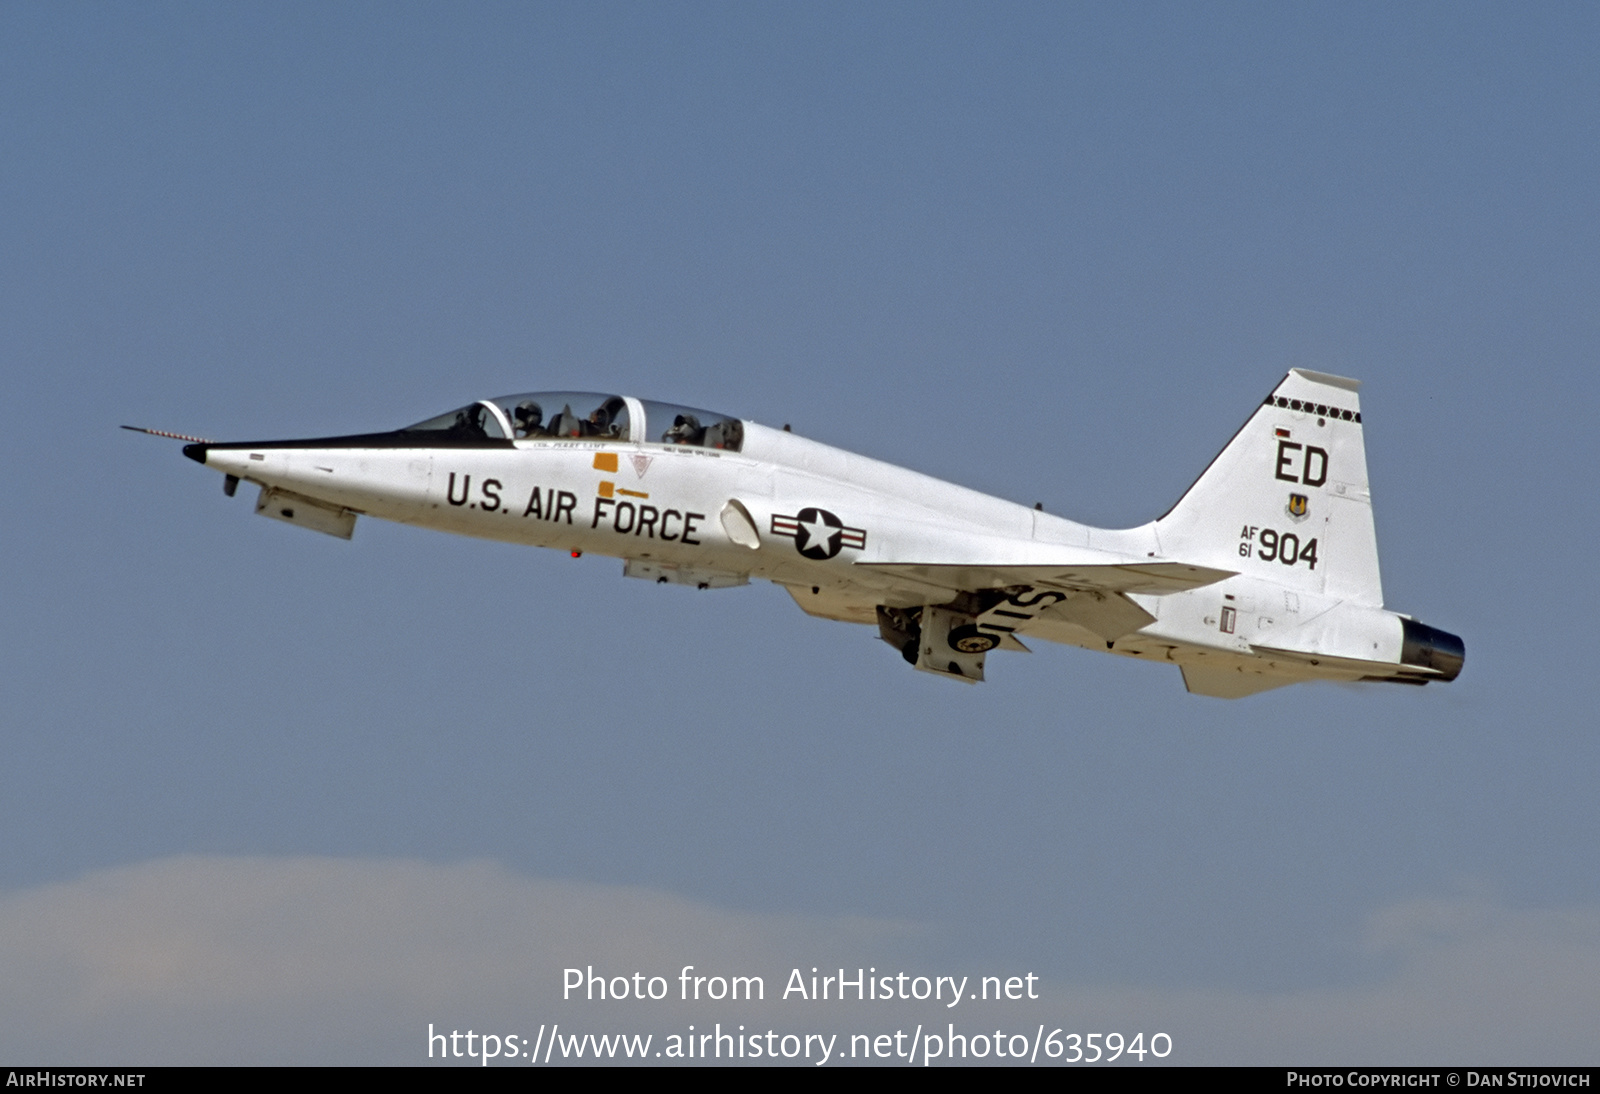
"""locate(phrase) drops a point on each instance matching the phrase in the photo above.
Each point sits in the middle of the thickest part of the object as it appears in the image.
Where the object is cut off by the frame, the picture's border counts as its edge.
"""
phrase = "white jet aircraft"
(1264, 574)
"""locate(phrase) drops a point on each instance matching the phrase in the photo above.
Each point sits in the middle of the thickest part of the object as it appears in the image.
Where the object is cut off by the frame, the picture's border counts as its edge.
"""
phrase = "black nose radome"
(196, 452)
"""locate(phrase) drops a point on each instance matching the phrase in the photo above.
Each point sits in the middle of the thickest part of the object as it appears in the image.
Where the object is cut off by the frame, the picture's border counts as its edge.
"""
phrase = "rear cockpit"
(573, 416)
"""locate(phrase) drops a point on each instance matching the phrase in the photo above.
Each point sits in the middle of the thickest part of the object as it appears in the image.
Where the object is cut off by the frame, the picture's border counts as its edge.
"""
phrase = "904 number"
(1271, 545)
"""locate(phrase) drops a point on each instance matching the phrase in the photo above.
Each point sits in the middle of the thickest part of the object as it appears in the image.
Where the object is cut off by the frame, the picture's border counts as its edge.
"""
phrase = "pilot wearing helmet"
(529, 417)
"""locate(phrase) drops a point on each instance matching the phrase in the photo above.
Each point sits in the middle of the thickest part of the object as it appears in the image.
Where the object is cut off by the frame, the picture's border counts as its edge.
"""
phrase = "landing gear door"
(952, 645)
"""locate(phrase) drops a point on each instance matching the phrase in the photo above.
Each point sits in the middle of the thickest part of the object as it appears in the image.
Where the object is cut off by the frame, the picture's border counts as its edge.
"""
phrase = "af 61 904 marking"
(1276, 546)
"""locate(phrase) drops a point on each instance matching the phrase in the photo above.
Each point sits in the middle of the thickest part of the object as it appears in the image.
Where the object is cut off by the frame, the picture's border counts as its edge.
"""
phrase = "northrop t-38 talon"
(1265, 573)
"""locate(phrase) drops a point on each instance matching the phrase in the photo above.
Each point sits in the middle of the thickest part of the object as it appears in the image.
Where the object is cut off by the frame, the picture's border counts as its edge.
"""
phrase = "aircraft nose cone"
(196, 452)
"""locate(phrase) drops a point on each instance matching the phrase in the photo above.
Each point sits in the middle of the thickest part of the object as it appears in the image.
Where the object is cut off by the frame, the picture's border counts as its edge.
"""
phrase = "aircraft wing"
(1092, 595)
(1137, 577)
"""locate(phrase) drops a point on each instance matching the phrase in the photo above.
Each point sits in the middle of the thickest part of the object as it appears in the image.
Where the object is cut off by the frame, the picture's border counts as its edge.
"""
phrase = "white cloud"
(198, 959)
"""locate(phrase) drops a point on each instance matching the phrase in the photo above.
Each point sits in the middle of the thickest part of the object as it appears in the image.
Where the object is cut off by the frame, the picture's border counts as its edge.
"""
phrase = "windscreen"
(475, 422)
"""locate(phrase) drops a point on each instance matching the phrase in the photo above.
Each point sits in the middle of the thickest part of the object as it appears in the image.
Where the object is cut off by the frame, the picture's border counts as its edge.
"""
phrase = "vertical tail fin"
(1288, 499)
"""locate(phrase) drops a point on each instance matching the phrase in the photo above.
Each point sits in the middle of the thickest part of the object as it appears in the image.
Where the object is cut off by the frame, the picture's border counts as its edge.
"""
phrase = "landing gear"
(902, 629)
(937, 639)
(969, 639)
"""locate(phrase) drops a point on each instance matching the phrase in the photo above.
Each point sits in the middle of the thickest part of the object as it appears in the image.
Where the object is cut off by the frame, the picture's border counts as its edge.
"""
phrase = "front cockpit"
(572, 416)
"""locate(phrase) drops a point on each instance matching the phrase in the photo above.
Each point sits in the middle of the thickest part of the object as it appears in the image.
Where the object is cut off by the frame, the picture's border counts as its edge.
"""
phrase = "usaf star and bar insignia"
(817, 533)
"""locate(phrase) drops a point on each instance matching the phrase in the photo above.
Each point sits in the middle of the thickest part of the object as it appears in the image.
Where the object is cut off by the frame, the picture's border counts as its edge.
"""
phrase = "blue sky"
(1052, 252)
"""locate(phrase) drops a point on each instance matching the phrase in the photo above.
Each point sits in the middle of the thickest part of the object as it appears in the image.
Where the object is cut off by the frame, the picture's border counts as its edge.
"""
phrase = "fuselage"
(850, 537)
(664, 503)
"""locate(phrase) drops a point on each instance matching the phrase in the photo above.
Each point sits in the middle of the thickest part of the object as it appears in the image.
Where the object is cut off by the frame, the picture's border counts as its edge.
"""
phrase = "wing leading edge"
(1005, 599)
(1156, 578)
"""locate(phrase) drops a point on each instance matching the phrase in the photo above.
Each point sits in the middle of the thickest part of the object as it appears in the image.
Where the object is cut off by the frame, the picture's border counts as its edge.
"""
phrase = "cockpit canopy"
(571, 415)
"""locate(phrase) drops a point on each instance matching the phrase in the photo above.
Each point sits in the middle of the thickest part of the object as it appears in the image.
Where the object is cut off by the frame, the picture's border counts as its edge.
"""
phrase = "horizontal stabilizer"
(1231, 683)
